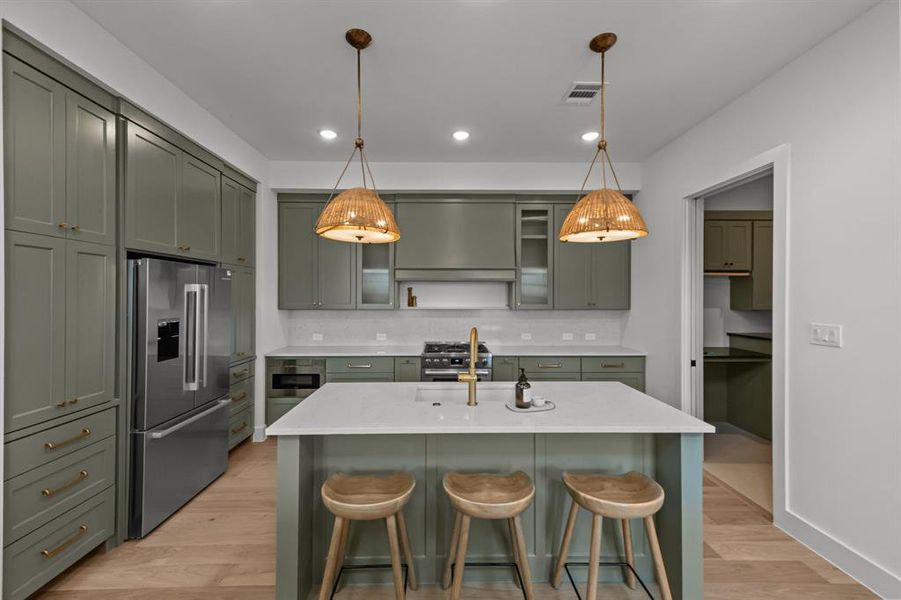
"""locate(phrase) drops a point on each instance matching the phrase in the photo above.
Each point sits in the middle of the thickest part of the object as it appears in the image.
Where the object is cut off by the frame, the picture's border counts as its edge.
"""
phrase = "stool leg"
(564, 547)
(342, 549)
(408, 552)
(515, 549)
(395, 558)
(331, 563)
(461, 558)
(522, 556)
(659, 568)
(594, 557)
(630, 558)
(451, 552)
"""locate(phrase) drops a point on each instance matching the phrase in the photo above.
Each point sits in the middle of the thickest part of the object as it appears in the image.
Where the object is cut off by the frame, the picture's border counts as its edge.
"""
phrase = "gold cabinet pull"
(550, 366)
(64, 403)
(241, 259)
(239, 397)
(82, 475)
(366, 366)
(85, 432)
(82, 529)
(63, 225)
(240, 427)
(613, 365)
(241, 372)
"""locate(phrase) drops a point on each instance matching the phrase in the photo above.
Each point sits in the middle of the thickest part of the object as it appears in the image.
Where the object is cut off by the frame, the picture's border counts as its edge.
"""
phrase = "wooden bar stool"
(630, 496)
(366, 498)
(487, 496)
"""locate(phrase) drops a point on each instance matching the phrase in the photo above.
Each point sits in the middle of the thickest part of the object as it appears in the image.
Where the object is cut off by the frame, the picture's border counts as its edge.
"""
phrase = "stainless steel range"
(443, 361)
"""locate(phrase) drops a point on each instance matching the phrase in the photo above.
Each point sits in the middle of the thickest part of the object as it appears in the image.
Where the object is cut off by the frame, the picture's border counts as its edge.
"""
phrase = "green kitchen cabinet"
(298, 252)
(756, 292)
(197, 215)
(456, 234)
(634, 380)
(407, 368)
(360, 377)
(727, 245)
(152, 189)
(60, 320)
(592, 276)
(534, 256)
(337, 281)
(243, 312)
(504, 368)
(238, 229)
(375, 276)
(60, 170)
(551, 368)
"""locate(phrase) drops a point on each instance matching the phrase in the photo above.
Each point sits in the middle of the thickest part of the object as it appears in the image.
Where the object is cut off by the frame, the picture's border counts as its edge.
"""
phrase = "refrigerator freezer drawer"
(176, 461)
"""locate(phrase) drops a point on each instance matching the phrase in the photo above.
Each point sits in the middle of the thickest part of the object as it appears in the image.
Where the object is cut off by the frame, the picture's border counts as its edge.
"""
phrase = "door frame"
(775, 161)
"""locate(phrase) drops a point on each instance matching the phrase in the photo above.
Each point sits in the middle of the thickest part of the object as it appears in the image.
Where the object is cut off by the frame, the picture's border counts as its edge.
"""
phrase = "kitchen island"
(427, 429)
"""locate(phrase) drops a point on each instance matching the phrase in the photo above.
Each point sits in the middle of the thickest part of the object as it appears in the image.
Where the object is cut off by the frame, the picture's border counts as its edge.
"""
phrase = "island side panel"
(294, 517)
(679, 523)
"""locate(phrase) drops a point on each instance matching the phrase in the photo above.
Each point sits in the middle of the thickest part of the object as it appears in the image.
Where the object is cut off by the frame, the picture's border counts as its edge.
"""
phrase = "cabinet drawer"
(243, 371)
(276, 408)
(549, 364)
(553, 376)
(40, 448)
(241, 394)
(45, 553)
(359, 364)
(634, 380)
(613, 364)
(240, 426)
(35, 497)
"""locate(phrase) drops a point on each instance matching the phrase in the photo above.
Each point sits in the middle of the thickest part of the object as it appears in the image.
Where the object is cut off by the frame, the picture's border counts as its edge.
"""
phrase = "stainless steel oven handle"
(452, 371)
(158, 435)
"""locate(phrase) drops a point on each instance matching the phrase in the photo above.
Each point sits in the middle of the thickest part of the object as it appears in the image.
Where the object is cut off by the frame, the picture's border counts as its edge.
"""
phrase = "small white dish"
(547, 406)
(538, 401)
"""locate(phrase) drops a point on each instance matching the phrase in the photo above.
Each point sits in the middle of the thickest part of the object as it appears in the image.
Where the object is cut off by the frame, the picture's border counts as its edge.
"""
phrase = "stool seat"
(630, 496)
(367, 497)
(489, 495)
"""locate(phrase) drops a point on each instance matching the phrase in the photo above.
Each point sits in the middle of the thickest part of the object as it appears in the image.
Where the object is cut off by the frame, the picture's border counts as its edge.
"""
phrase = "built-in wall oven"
(294, 377)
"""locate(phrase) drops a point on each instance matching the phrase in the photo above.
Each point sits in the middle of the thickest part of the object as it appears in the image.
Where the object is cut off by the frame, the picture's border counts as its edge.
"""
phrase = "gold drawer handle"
(241, 259)
(241, 428)
(550, 366)
(64, 403)
(239, 397)
(82, 529)
(240, 373)
(613, 365)
(63, 225)
(350, 366)
(82, 475)
(85, 432)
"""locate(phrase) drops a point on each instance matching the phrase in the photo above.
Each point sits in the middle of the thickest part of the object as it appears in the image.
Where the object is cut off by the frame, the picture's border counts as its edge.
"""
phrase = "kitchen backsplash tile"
(414, 327)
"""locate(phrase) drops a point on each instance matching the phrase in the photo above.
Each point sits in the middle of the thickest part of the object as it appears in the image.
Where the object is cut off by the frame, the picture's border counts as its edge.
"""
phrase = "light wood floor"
(742, 461)
(222, 546)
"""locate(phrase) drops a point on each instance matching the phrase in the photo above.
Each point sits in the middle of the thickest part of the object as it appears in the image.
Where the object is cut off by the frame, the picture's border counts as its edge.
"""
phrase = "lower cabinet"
(504, 368)
(276, 408)
(241, 410)
(407, 368)
(550, 368)
(635, 380)
(359, 368)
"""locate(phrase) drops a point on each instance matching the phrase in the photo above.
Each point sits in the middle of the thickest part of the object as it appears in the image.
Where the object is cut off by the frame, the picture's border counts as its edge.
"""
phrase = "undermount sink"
(457, 393)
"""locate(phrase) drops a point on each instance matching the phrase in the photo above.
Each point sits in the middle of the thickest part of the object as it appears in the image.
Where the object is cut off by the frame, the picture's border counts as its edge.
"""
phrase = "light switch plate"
(317, 337)
(567, 337)
(590, 337)
(525, 336)
(381, 337)
(822, 334)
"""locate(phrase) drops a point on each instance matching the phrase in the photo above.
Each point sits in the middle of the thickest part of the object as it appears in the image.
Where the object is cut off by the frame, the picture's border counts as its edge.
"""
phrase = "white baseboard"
(876, 578)
(259, 433)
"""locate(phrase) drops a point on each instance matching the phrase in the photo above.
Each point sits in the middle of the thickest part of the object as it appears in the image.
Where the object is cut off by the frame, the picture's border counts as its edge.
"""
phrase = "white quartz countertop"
(436, 408)
(416, 350)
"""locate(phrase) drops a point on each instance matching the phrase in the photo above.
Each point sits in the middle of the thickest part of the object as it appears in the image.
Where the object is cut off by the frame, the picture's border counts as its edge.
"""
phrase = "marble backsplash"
(415, 327)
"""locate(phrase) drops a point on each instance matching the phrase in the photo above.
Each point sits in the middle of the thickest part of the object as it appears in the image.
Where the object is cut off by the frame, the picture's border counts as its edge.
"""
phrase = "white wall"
(837, 107)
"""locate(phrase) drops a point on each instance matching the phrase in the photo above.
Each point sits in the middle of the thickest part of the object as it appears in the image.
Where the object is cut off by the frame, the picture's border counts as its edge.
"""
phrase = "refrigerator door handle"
(158, 435)
(203, 322)
(192, 319)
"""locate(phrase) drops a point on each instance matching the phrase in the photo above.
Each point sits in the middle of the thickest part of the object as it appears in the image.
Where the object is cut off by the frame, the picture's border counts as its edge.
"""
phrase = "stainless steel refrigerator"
(180, 330)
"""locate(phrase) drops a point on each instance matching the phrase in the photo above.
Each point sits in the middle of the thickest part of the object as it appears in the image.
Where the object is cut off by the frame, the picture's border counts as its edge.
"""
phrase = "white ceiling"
(276, 72)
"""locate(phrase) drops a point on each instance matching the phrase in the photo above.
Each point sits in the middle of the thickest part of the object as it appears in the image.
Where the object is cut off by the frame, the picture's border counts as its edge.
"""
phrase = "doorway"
(734, 323)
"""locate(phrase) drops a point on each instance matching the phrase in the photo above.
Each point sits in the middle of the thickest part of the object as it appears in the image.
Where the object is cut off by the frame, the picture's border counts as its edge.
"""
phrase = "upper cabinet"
(243, 312)
(592, 276)
(298, 253)
(756, 292)
(171, 199)
(534, 256)
(238, 223)
(727, 245)
(61, 169)
(375, 276)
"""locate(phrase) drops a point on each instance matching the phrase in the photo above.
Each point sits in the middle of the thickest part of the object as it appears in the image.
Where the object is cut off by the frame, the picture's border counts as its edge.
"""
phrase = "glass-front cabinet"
(375, 273)
(534, 244)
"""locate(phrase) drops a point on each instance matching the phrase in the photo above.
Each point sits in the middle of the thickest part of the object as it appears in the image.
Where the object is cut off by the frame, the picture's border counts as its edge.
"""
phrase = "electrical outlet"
(567, 337)
(381, 337)
(822, 334)
(317, 337)
(590, 337)
(525, 336)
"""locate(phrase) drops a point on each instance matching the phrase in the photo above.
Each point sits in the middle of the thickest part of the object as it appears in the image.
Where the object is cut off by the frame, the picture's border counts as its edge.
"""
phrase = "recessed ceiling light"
(327, 134)
(590, 136)
(461, 136)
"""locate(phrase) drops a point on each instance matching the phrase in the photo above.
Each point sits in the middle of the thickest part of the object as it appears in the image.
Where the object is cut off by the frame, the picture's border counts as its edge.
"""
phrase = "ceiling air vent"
(582, 92)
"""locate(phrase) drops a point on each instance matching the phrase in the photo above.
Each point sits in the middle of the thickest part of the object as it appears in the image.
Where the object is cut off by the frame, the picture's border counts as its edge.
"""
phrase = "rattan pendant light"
(604, 215)
(358, 214)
